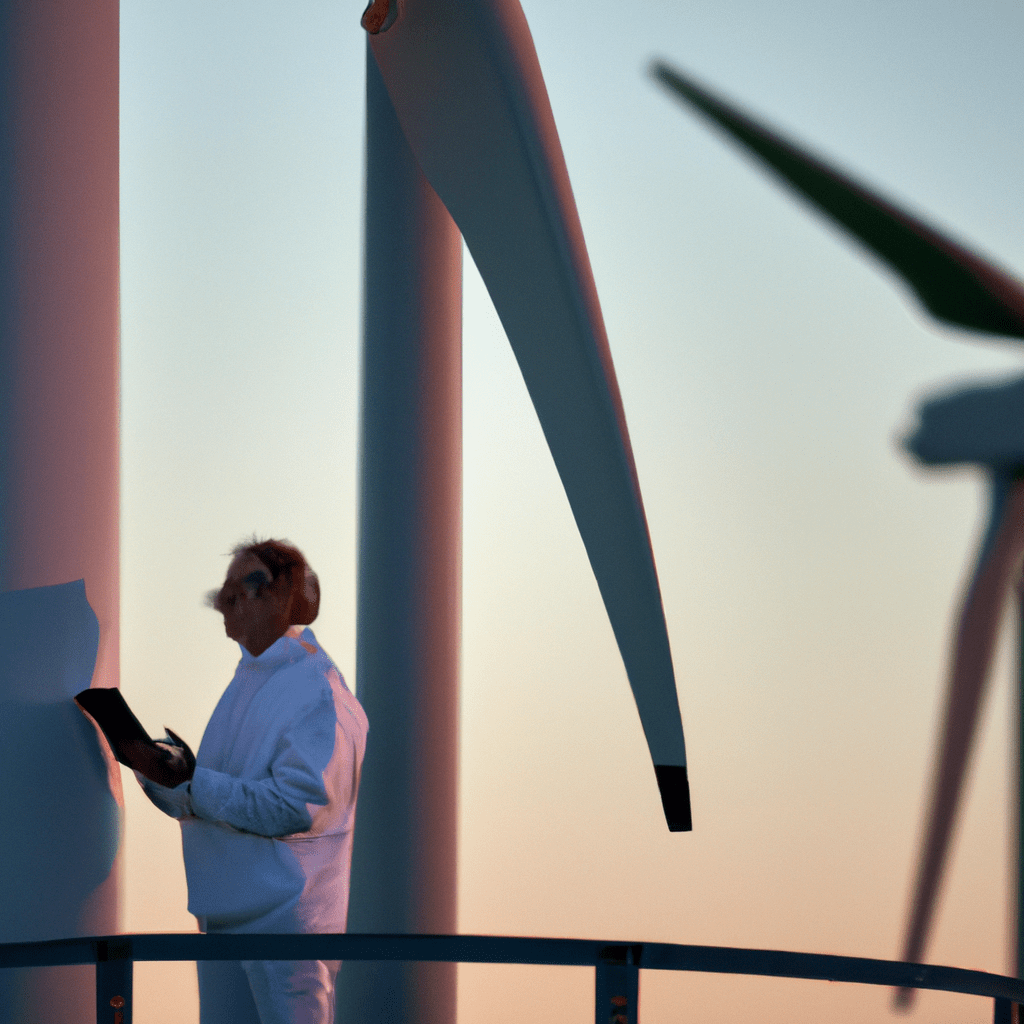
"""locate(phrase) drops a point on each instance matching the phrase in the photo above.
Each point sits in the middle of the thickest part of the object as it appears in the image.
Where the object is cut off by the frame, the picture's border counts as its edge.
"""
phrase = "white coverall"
(267, 823)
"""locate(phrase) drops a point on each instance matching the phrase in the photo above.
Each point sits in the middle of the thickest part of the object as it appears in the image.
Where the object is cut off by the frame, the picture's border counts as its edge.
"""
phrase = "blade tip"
(674, 786)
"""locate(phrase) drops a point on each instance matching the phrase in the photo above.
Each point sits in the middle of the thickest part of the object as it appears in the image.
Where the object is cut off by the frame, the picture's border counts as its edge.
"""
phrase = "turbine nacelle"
(980, 424)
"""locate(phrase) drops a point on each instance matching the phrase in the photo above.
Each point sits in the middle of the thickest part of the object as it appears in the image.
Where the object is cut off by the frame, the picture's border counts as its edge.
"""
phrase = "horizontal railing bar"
(660, 956)
(828, 967)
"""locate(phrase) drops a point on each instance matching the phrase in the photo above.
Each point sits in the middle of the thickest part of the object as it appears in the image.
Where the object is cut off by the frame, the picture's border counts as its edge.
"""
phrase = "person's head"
(269, 586)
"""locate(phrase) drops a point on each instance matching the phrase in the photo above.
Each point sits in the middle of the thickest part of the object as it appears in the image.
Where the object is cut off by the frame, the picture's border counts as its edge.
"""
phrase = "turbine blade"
(953, 283)
(998, 567)
(464, 79)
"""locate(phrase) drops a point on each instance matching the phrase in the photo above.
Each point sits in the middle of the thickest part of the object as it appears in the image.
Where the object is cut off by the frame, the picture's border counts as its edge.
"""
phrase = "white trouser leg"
(225, 996)
(293, 991)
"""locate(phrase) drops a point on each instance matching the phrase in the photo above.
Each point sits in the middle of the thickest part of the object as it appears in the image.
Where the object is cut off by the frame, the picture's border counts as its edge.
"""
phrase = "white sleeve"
(176, 802)
(284, 801)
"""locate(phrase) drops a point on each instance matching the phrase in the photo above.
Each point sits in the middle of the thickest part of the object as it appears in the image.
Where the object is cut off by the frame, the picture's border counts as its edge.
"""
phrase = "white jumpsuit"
(267, 823)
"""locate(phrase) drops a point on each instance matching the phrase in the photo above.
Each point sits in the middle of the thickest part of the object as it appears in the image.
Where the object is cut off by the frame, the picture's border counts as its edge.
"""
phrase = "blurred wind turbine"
(461, 139)
(981, 425)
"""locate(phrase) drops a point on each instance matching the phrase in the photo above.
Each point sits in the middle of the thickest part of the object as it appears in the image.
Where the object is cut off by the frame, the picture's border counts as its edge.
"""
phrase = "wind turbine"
(980, 425)
(461, 141)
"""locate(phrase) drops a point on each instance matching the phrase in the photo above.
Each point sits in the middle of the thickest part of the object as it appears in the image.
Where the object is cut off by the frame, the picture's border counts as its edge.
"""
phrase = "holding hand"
(168, 762)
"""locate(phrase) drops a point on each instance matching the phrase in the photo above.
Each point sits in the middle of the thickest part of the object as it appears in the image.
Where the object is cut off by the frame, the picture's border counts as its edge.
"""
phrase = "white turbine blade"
(464, 79)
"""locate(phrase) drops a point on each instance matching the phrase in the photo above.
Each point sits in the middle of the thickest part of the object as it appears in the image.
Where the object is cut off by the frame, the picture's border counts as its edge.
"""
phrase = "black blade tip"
(675, 796)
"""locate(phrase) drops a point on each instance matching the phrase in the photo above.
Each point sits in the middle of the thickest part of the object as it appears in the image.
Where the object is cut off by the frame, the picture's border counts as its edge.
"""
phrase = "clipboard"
(124, 732)
(111, 713)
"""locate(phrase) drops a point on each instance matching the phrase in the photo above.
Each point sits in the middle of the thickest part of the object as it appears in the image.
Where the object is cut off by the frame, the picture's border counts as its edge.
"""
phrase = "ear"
(306, 603)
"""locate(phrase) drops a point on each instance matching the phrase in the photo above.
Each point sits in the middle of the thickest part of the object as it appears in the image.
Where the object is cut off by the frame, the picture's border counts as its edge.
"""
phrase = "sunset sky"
(810, 571)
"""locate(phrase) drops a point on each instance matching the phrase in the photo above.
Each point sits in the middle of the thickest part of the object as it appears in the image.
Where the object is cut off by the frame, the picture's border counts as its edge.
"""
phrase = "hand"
(162, 763)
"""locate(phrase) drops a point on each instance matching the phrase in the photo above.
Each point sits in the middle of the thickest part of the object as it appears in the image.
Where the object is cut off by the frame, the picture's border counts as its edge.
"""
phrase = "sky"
(810, 572)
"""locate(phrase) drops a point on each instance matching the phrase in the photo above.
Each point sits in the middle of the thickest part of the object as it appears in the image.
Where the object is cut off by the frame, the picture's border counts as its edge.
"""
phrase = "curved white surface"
(466, 85)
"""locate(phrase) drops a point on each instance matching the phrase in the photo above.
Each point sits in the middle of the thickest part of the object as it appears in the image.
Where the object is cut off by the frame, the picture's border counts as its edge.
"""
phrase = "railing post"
(1003, 1012)
(617, 985)
(114, 981)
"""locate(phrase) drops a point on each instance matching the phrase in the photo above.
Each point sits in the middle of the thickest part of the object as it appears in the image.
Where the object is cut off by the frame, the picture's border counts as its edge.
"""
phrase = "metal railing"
(616, 964)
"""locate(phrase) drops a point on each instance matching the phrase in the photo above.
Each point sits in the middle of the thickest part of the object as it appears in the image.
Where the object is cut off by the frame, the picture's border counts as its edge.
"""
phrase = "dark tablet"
(110, 712)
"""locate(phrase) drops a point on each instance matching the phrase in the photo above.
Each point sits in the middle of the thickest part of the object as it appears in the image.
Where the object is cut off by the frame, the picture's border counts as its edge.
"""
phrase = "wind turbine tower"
(58, 486)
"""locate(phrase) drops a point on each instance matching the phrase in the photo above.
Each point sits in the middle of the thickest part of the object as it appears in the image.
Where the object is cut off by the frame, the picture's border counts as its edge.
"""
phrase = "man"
(267, 814)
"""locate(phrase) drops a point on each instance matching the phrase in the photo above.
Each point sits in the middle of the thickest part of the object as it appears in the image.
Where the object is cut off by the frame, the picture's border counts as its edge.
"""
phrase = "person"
(267, 814)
